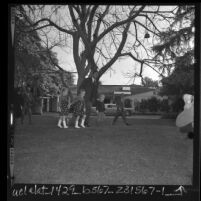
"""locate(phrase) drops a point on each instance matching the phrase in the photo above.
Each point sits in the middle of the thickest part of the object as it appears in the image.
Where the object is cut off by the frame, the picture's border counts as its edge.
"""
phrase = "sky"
(116, 76)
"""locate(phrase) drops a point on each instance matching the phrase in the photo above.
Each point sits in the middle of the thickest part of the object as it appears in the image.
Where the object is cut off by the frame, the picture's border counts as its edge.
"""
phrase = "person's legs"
(88, 106)
(187, 129)
(124, 118)
(102, 116)
(22, 114)
(83, 120)
(98, 119)
(115, 118)
(29, 114)
(67, 120)
(59, 122)
(77, 122)
(64, 122)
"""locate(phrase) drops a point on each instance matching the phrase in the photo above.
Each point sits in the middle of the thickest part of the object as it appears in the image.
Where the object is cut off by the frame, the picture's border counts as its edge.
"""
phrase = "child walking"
(79, 110)
(100, 108)
(120, 111)
(64, 103)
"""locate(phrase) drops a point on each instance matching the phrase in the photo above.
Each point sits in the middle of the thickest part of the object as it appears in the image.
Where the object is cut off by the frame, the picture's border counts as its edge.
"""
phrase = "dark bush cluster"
(153, 105)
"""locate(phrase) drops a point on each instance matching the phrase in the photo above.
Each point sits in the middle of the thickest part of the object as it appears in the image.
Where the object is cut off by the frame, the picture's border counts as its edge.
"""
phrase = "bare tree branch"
(141, 62)
(89, 24)
(118, 24)
(146, 27)
(124, 37)
(99, 21)
(51, 23)
(147, 17)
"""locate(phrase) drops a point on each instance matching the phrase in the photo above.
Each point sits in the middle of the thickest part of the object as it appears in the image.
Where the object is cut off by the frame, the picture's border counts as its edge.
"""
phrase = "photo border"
(189, 192)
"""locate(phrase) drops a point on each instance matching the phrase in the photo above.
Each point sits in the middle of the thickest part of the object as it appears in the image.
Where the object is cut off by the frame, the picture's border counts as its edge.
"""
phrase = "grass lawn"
(150, 151)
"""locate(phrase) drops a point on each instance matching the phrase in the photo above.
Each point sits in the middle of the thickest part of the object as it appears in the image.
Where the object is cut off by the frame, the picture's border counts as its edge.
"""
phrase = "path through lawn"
(147, 152)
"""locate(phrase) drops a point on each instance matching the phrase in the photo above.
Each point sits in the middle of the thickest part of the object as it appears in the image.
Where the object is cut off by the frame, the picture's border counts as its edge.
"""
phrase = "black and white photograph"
(103, 94)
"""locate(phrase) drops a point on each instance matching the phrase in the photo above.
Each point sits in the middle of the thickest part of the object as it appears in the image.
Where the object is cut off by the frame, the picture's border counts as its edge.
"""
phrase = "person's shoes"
(77, 126)
(82, 125)
(87, 125)
(64, 124)
(190, 135)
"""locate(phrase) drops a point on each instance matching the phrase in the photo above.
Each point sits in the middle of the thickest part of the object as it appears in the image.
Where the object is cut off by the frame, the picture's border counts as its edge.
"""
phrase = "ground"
(149, 151)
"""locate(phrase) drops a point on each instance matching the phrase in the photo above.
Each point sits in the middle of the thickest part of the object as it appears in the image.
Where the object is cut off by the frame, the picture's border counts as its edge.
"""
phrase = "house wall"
(54, 104)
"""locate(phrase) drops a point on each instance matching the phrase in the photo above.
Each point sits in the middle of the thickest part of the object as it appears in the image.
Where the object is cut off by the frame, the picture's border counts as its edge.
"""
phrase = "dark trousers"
(119, 113)
(88, 105)
(186, 129)
(26, 110)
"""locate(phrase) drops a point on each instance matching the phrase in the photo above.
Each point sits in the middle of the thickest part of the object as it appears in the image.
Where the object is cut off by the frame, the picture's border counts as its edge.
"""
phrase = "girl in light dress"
(79, 110)
(64, 104)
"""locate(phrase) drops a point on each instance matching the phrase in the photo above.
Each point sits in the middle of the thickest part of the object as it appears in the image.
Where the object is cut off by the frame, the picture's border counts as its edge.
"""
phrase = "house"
(138, 96)
(133, 94)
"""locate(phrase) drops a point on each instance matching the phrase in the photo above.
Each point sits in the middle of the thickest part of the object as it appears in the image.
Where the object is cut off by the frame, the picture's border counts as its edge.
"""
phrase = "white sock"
(64, 123)
(82, 123)
(76, 124)
(59, 124)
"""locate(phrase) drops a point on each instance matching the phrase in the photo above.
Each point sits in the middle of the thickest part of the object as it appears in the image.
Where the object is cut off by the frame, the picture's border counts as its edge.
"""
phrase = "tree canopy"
(148, 82)
(177, 43)
(33, 66)
(99, 35)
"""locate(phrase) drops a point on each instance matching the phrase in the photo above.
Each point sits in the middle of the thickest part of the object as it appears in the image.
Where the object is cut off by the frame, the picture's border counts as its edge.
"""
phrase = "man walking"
(90, 85)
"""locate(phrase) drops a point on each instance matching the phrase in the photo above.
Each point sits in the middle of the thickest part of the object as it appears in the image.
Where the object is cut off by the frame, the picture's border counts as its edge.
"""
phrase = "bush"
(143, 105)
(177, 105)
(153, 104)
(169, 116)
(164, 106)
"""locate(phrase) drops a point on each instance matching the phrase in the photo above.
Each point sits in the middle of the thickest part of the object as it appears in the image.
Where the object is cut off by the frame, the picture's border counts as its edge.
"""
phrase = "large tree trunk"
(79, 81)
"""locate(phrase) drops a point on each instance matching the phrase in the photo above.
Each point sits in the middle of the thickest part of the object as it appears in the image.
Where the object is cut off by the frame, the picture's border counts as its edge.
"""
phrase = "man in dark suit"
(90, 85)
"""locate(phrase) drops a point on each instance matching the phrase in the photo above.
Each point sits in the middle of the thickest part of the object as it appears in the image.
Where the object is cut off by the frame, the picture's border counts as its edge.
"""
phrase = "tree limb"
(89, 24)
(51, 23)
(124, 37)
(99, 21)
(118, 24)
(141, 62)
(146, 28)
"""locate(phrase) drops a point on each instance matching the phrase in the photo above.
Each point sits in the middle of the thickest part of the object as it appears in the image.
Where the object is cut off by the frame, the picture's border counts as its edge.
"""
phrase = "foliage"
(33, 66)
(148, 82)
(99, 35)
(153, 104)
(177, 105)
(164, 106)
(181, 80)
(177, 44)
(127, 103)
